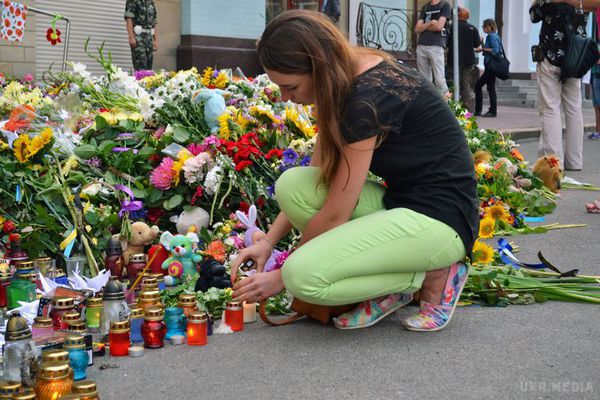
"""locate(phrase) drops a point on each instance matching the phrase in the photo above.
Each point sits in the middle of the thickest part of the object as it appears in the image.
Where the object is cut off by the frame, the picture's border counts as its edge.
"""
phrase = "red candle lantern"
(118, 337)
(4, 282)
(234, 315)
(137, 263)
(154, 328)
(197, 329)
(60, 305)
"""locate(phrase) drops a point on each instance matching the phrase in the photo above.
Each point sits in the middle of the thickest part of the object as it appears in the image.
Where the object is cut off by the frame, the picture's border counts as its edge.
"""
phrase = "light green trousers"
(377, 252)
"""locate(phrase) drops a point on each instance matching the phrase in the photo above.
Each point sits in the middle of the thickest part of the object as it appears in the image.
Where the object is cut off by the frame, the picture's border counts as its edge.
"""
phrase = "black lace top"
(424, 157)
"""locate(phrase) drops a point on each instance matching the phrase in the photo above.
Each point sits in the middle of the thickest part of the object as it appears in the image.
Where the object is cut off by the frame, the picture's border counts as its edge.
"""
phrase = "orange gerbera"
(517, 154)
(20, 118)
(216, 250)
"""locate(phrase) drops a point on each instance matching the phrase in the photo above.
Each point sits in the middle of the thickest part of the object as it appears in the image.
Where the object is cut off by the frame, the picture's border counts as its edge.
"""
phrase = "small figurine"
(212, 274)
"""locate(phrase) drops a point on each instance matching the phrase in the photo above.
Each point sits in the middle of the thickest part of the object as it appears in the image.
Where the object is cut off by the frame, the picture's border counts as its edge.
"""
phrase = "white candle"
(249, 312)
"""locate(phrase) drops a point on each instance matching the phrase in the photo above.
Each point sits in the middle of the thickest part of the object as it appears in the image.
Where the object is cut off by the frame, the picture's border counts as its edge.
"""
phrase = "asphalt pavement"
(540, 351)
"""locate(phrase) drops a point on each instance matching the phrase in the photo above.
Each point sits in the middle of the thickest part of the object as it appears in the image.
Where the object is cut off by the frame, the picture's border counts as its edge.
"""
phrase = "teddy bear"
(182, 263)
(214, 106)
(547, 168)
(142, 235)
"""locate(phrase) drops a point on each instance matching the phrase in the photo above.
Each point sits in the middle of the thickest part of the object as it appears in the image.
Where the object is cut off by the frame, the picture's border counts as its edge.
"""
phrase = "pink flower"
(212, 140)
(468, 115)
(159, 132)
(196, 149)
(28, 78)
(162, 176)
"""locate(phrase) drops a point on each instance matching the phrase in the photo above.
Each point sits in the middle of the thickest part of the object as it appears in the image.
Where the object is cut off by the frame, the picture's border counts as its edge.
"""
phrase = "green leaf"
(173, 202)
(86, 151)
(139, 193)
(110, 178)
(100, 123)
(180, 135)
(106, 147)
(91, 218)
(146, 152)
(154, 195)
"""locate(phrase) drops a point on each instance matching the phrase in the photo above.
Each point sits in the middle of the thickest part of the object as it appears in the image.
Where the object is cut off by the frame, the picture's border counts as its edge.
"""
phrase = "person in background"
(555, 93)
(331, 8)
(595, 79)
(468, 41)
(140, 17)
(492, 46)
(431, 28)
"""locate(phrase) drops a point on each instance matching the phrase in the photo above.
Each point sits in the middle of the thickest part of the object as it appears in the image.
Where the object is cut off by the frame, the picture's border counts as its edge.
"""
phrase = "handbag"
(499, 65)
(580, 56)
(302, 309)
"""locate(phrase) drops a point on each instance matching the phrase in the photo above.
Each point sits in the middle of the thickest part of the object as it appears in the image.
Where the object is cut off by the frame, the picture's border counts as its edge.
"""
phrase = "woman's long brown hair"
(306, 42)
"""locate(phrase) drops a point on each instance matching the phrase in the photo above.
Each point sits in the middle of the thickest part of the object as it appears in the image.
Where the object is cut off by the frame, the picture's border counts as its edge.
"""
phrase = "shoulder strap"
(278, 322)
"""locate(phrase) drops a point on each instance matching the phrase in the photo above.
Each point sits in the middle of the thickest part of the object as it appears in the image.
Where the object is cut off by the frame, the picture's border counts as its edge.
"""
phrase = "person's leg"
(479, 93)
(423, 63)
(438, 66)
(138, 55)
(550, 88)
(595, 85)
(374, 254)
(571, 103)
(491, 88)
(465, 87)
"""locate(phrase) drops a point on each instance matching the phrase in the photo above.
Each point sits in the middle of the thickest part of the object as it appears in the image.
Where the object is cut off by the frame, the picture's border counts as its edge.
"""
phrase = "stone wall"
(18, 58)
(169, 34)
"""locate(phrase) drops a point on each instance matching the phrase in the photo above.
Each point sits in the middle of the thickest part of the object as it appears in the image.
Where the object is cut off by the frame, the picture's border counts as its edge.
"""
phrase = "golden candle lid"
(138, 258)
(42, 322)
(24, 265)
(53, 370)
(136, 312)
(85, 388)
(25, 396)
(233, 305)
(70, 316)
(147, 287)
(4, 277)
(8, 389)
(151, 295)
(159, 277)
(74, 342)
(32, 277)
(187, 300)
(55, 355)
(70, 396)
(63, 303)
(119, 326)
(78, 327)
(17, 328)
(197, 317)
(94, 301)
(42, 260)
(149, 279)
(153, 314)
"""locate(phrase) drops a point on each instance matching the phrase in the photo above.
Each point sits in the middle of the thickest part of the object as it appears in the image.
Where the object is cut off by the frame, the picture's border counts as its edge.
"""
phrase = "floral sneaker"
(435, 317)
(372, 311)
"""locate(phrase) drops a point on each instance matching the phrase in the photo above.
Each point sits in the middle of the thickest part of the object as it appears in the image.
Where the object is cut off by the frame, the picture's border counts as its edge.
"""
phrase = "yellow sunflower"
(222, 80)
(497, 212)
(482, 253)
(21, 148)
(224, 129)
(487, 227)
(207, 76)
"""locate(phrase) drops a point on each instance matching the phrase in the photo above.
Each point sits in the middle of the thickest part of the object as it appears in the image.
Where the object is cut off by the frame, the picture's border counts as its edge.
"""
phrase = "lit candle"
(197, 329)
(234, 315)
(249, 312)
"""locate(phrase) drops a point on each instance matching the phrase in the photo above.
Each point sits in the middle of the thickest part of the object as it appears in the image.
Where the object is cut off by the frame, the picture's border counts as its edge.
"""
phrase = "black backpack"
(580, 56)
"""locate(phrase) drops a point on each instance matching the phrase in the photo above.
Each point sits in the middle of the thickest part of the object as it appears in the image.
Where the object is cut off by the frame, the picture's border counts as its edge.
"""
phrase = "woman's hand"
(258, 287)
(259, 252)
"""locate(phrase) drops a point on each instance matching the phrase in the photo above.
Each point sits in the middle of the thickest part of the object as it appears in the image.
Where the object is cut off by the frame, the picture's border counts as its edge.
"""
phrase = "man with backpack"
(431, 28)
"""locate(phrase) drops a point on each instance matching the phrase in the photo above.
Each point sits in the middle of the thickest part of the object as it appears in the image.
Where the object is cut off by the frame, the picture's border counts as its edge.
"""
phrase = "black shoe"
(477, 113)
(489, 115)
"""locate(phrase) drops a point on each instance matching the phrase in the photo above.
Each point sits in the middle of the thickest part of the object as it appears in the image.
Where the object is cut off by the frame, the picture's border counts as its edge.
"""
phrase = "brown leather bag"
(301, 309)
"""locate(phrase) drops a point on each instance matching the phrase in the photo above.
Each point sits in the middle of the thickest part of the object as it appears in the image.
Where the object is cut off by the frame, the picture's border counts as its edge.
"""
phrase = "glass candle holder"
(160, 280)
(9, 389)
(93, 313)
(55, 355)
(137, 263)
(69, 317)
(136, 318)
(87, 390)
(53, 381)
(21, 288)
(175, 321)
(43, 265)
(234, 315)
(78, 356)
(76, 263)
(42, 327)
(118, 338)
(249, 312)
(77, 327)
(114, 258)
(149, 284)
(188, 303)
(4, 283)
(197, 332)
(30, 395)
(154, 329)
(60, 305)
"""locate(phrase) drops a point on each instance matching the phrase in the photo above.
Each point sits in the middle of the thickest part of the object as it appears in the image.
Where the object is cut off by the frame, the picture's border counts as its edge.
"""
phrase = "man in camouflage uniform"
(140, 17)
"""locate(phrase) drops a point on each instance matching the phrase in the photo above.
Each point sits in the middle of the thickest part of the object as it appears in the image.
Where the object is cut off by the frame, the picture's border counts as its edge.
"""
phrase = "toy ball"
(175, 269)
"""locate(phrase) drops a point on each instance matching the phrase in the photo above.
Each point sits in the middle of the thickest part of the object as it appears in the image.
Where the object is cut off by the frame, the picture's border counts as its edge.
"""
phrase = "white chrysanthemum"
(213, 178)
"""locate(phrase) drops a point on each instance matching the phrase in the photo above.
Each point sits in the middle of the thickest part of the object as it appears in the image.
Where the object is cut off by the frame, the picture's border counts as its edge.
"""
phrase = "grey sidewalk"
(523, 122)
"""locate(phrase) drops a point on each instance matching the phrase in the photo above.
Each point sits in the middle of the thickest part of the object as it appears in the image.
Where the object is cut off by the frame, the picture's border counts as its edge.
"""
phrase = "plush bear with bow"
(182, 263)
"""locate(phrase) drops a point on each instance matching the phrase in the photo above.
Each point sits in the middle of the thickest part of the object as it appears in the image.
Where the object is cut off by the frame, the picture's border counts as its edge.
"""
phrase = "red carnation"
(243, 165)
(154, 214)
(244, 207)
(198, 194)
(8, 227)
(277, 153)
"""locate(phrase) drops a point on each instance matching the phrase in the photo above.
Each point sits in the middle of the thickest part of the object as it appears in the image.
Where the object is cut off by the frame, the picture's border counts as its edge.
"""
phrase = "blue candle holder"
(176, 322)
(78, 356)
